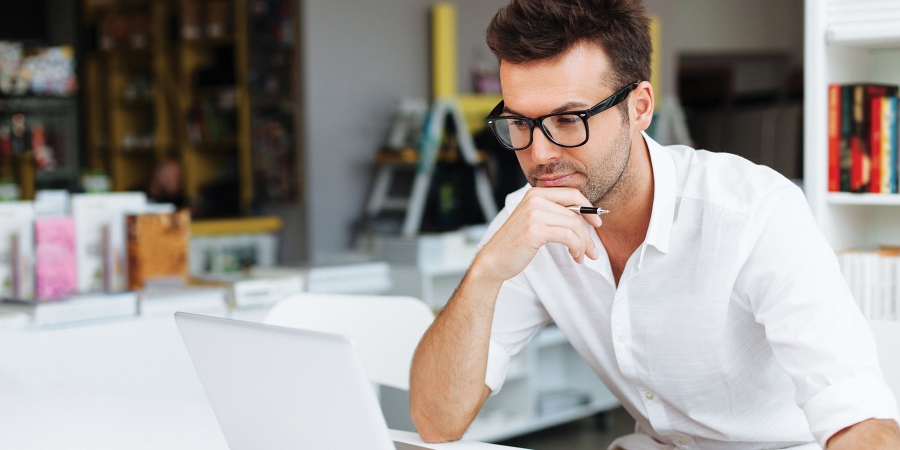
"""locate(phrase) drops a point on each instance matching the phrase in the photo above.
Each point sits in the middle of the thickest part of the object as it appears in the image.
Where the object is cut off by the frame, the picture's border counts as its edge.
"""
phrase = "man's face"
(571, 82)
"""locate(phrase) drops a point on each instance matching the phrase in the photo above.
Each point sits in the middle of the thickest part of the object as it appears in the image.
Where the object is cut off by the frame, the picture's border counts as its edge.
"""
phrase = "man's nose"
(543, 150)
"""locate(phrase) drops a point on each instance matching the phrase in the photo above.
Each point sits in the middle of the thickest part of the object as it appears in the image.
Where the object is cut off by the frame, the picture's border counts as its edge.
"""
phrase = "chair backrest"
(386, 329)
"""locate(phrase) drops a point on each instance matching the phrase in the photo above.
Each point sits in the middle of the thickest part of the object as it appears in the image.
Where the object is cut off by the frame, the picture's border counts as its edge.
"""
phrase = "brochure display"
(100, 238)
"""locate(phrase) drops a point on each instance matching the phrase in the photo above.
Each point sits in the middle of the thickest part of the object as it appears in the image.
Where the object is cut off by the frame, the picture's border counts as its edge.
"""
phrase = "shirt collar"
(664, 190)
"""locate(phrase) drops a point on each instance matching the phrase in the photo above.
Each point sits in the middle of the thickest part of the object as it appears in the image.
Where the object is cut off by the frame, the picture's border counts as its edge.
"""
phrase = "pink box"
(56, 272)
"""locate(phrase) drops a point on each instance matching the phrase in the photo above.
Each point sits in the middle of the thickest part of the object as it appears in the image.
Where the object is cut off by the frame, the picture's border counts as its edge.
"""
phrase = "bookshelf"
(179, 80)
(847, 42)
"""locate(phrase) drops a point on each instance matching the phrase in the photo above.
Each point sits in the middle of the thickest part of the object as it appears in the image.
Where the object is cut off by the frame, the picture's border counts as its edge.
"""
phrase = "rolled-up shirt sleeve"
(518, 317)
(792, 283)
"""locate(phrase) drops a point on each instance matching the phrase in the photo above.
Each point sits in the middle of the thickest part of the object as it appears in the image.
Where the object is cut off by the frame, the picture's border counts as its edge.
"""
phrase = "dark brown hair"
(533, 30)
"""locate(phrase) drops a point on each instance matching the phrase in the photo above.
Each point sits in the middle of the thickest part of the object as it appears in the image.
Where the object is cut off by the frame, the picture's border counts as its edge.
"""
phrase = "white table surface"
(112, 385)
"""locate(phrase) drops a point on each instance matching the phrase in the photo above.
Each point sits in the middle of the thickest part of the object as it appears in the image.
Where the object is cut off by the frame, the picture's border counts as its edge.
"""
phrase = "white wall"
(705, 26)
(360, 58)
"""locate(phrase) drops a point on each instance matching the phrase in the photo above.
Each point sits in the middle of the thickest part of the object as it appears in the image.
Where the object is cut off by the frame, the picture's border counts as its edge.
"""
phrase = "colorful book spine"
(893, 140)
(834, 138)
(861, 158)
(889, 168)
(874, 141)
(859, 169)
(846, 132)
(861, 142)
(55, 260)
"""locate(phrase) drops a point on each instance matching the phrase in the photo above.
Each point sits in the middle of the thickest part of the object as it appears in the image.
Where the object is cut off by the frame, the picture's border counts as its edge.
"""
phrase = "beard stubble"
(606, 181)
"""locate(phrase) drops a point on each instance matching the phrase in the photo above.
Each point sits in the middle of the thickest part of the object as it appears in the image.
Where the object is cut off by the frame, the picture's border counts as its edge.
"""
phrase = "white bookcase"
(847, 41)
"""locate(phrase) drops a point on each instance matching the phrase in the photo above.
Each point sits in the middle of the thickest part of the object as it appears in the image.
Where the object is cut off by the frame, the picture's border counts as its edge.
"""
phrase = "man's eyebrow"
(568, 106)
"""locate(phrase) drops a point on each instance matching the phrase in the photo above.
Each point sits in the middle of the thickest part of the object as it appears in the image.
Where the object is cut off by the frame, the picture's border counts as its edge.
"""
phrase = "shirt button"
(649, 395)
(682, 441)
(622, 338)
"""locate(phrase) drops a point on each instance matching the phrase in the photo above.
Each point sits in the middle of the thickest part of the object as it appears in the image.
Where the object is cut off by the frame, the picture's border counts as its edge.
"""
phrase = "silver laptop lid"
(279, 388)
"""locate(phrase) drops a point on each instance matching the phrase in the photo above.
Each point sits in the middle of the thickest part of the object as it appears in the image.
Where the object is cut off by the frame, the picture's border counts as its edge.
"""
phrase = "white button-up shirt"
(731, 326)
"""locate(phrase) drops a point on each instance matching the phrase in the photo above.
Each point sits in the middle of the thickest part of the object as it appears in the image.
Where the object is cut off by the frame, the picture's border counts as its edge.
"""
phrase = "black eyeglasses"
(566, 129)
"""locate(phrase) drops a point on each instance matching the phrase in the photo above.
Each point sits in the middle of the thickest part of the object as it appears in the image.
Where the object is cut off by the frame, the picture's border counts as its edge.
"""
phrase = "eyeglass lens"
(564, 129)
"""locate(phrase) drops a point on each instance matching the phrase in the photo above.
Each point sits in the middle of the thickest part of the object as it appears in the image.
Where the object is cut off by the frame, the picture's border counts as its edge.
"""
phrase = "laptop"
(280, 388)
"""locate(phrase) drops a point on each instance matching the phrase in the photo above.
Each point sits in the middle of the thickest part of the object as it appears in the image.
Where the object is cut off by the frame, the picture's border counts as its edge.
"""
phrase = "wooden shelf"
(236, 226)
(847, 198)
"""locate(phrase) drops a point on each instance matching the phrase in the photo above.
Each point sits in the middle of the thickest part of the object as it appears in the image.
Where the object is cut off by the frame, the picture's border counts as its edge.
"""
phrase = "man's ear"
(642, 104)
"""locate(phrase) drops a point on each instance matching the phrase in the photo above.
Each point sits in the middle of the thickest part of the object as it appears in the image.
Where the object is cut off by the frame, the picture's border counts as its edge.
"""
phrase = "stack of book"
(249, 291)
(873, 279)
(166, 301)
(337, 277)
(63, 259)
(863, 138)
(73, 309)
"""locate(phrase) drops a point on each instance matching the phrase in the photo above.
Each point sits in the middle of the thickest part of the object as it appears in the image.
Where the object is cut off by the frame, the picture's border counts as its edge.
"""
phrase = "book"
(834, 138)
(250, 291)
(73, 309)
(860, 139)
(16, 250)
(846, 153)
(373, 277)
(872, 276)
(166, 302)
(56, 272)
(100, 238)
(887, 134)
(889, 139)
(874, 106)
(157, 247)
(49, 203)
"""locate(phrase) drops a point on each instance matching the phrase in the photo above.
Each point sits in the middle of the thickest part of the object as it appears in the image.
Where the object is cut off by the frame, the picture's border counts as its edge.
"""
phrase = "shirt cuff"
(497, 366)
(847, 403)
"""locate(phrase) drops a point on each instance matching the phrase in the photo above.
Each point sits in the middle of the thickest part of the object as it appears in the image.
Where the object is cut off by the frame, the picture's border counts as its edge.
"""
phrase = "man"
(707, 300)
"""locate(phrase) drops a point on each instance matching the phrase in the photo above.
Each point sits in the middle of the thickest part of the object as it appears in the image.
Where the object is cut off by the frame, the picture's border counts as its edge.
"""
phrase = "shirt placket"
(622, 339)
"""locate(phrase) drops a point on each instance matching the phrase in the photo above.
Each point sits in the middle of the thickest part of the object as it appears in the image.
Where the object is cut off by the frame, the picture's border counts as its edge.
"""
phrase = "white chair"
(386, 329)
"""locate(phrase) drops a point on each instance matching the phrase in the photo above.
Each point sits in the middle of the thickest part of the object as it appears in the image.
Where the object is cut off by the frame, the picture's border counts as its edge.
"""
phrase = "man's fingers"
(569, 238)
(562, 196)
(566, 219)
(593, 220)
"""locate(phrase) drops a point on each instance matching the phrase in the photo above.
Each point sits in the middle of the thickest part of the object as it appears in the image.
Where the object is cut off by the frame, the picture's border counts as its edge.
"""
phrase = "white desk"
(112, 385)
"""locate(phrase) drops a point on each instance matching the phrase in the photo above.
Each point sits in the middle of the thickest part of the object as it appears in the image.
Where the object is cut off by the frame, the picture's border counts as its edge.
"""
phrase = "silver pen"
(582, 210)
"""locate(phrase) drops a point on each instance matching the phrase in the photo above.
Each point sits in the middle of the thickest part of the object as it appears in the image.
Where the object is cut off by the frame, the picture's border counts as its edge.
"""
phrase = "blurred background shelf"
(846, 198)
(180, 77)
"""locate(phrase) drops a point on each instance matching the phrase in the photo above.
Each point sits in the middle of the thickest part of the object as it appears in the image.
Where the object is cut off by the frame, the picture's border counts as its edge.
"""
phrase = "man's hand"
(447, 379)
(539, 219)
(872, 434)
